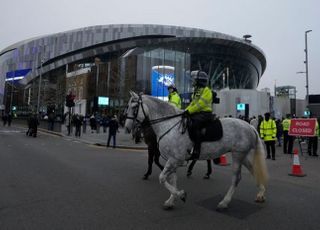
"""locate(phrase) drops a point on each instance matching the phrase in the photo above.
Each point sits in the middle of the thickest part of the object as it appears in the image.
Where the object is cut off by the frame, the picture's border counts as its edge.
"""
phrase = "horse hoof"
(221, 209)
(167, 207)
(260, 200)
(183, 197)
(189, 174)
(206, 177)
(145, 177)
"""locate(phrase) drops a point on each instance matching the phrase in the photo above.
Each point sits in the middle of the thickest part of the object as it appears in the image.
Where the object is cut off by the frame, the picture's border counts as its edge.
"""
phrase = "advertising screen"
(161, 78)
(103, 100)
(241, 107)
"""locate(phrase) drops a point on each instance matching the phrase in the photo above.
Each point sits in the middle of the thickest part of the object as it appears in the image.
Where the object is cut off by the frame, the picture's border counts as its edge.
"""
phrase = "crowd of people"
(95, 122)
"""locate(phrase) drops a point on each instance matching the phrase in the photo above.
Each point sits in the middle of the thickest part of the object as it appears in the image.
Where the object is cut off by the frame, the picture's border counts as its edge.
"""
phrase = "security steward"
(174, 97)
(286, 125)
(268, 132)
(313, 142)
(200, 109)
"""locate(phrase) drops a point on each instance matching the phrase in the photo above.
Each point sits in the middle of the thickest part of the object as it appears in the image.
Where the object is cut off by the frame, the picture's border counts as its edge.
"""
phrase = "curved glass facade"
(110, 61)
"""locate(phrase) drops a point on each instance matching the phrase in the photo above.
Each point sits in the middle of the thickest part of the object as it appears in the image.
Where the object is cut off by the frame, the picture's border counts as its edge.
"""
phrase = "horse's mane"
(162, 108)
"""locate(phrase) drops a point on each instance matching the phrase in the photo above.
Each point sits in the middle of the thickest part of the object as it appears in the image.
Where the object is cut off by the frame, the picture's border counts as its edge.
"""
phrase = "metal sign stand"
(303, 129)
(303, 145)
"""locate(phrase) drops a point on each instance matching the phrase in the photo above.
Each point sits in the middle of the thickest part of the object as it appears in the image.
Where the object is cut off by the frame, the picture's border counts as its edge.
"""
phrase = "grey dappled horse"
(239, 138)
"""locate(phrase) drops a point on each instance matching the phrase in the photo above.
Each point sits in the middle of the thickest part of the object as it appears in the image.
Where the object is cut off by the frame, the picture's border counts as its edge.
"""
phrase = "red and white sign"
(305, 127)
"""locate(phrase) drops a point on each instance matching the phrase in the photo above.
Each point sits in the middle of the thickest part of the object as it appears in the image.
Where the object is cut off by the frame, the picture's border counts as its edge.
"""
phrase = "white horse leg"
(236, 177)
(260, 195)
(170, 186)
(169, 178)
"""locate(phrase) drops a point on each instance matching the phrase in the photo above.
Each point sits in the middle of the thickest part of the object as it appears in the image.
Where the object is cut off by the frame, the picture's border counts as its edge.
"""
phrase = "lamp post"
(11, 96)
(39, 88)
(303, 72)
(306, 62)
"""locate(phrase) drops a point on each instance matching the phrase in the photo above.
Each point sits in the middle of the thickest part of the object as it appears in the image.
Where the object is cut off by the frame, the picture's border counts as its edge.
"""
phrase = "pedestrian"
(137, 132)
(279, 132)
(113, 129)
(98, 122)
(77, 122)
(93, 124)
(84, 124)
(287, 140)
(51, 119)
(68, 122)
(268, 132)
(260, 119)
(9, 119)
(313, 142)
(5, 119)
(104, 122)
(33, 123)
(254, 122)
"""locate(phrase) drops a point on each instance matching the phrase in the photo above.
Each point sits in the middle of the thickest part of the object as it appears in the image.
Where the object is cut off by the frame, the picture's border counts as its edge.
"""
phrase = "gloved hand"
(185, 113)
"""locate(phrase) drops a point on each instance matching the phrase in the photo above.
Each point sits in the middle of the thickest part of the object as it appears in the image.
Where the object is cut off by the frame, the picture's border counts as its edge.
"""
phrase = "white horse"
(239, 138)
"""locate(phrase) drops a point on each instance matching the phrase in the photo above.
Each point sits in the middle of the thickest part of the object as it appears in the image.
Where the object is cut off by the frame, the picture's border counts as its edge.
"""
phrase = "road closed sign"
(303, 127)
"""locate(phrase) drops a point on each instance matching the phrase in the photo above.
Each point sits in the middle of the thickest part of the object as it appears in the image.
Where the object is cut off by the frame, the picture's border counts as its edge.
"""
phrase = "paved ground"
(53, 182)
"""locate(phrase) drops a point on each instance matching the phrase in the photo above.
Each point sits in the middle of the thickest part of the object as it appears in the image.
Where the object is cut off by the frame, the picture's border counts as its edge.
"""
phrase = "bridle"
(147, 122)
(136, 112)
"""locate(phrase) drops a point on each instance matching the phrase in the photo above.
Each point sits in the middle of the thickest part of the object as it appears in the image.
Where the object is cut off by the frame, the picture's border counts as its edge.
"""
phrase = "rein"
(147, 122)
(154, 121)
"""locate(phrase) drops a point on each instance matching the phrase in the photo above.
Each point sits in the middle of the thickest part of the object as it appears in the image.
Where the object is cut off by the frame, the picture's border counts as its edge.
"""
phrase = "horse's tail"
(260, 171)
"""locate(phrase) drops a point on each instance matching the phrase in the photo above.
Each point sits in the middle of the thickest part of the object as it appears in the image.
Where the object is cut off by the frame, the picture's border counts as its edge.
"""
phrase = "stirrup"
(192, 155)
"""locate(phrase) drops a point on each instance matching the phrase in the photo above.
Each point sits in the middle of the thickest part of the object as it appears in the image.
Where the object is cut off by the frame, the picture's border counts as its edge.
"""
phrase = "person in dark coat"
(9, 119)
(4, 119)
(51, 118)
(77, 123)
(279, 131)
(33, 123)
(113, 129)
(93, 123)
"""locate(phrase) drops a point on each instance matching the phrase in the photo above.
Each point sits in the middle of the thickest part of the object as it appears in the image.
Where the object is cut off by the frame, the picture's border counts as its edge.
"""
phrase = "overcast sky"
(276, 26)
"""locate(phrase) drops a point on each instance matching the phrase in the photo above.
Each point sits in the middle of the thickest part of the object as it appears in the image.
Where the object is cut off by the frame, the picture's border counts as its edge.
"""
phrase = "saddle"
(211, 132)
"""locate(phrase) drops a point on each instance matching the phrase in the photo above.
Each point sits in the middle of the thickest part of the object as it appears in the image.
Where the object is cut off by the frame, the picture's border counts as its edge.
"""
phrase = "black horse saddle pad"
(211, 132)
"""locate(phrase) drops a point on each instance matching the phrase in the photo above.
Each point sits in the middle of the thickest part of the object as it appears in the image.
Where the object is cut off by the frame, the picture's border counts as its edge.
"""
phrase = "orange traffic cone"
(223, 160)
(296, 167)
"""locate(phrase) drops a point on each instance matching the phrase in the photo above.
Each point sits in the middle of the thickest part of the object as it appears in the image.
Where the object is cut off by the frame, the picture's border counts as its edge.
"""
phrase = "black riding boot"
(196, 152)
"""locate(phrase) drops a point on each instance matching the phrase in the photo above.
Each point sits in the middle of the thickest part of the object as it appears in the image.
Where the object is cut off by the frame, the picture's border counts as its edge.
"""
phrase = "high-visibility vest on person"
(174, 99)
(286, 124)
(268, 130)
(201, 101)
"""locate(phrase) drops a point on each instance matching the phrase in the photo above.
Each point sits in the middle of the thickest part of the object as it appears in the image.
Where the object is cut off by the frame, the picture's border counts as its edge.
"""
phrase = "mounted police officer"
(200, 109)
(174, 97)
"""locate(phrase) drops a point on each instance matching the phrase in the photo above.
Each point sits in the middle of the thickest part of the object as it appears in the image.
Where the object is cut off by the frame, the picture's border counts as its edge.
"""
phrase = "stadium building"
(100, 64)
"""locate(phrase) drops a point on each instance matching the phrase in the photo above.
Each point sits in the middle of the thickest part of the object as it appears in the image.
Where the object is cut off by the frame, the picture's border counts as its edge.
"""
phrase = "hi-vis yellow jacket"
(286, 124)
(201, 101)
(174, 99)
(268, 130)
